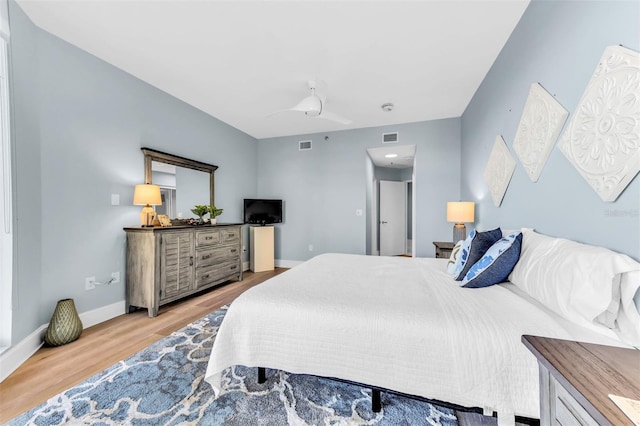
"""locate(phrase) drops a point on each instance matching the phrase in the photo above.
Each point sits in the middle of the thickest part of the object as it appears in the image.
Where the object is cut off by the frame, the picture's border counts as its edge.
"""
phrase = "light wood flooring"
(53, 370)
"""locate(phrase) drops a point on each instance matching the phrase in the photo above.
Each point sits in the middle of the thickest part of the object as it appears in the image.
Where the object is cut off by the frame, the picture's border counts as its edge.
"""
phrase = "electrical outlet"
(310, 247)
(90, 283)
(115, 277)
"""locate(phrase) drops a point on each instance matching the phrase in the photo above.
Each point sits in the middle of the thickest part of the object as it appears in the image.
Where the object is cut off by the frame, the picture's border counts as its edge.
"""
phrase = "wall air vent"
(304, 145)
(390, 137)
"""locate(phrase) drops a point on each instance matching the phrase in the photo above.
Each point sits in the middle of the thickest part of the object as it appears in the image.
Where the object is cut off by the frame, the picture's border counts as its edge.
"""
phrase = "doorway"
(390, 196)
(393, 218)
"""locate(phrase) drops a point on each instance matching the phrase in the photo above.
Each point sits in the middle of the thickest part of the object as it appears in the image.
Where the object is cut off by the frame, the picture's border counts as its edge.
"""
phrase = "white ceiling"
(239, 61)
(404, 156)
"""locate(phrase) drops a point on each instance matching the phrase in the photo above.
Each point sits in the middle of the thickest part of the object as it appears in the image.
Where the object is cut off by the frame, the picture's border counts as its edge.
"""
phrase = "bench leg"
(262, 374)
(376, 404)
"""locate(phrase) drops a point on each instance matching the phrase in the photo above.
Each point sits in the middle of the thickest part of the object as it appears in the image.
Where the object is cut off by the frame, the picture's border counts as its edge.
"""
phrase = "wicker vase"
(65, 325)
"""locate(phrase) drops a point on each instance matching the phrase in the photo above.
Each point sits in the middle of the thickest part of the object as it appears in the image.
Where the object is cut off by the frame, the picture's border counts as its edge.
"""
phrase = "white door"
(393, 214)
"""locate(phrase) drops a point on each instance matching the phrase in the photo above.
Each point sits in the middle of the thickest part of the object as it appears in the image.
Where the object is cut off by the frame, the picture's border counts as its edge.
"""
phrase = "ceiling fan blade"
(334, 117)
(310, 103)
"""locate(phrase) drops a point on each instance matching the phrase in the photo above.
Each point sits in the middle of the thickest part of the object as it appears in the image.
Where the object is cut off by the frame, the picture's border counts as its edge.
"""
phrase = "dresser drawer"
(211, 274)
(230, 235)
(210, 256)
(208, 237)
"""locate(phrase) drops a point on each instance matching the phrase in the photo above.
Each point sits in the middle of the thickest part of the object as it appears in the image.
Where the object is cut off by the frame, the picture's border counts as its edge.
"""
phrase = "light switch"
(115, 199)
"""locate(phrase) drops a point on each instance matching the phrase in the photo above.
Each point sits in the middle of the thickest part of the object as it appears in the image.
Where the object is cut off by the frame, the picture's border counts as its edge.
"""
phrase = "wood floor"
(53, 370)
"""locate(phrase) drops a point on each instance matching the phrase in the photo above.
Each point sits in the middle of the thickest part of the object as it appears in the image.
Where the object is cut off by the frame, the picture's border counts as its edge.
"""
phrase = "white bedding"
(397, 323)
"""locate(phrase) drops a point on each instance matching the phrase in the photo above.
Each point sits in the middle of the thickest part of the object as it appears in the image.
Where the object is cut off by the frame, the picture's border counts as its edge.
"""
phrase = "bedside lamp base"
(459, 232)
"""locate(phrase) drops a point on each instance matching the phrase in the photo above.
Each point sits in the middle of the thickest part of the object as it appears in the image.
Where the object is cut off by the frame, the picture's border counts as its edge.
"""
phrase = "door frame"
(375, 223)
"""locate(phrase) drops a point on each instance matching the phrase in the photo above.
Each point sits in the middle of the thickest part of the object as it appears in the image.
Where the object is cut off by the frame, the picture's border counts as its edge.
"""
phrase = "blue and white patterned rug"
(164, 385)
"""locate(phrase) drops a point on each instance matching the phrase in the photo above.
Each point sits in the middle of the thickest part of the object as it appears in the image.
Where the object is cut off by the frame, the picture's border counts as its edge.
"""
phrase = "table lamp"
(460, 212)
(147, 195)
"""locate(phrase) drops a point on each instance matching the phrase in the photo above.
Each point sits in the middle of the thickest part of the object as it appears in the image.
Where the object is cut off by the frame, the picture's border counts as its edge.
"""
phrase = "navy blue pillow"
(478, 247)
(496, 264)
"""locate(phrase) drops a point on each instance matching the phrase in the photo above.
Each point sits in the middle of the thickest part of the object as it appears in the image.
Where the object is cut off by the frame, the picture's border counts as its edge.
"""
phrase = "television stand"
(261, 248)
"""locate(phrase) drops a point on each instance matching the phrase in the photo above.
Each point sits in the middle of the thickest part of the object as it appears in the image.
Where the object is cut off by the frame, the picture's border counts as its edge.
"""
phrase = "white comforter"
(397, 323)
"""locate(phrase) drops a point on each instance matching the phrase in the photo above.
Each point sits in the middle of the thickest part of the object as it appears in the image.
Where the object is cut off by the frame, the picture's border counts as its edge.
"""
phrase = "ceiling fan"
(314, 106)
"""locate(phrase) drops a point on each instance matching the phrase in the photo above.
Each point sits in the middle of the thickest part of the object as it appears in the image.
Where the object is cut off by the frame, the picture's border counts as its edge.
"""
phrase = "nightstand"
(576, 379)
(443, 249)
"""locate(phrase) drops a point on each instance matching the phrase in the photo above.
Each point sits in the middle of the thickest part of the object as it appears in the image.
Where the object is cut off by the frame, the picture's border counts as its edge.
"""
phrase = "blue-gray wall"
(323, 187)
(558, 44)
(78, 125)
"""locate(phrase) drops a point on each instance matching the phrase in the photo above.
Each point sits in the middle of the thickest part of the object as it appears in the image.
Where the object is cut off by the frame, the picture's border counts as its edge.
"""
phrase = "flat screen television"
(262, 212)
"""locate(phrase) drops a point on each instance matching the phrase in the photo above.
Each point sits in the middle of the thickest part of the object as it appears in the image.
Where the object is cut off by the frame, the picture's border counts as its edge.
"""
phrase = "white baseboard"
(96, 316)
(17, 354)
(281, 263)
(13, 357)
(245, 266)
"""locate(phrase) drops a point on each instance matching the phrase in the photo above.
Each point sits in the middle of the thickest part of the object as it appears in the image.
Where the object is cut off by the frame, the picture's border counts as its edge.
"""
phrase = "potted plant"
(213, 213)
(200, 211)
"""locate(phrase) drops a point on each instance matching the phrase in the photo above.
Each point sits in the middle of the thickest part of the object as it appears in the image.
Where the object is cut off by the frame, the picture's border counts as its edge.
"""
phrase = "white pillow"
(453, 265)
(628, 322)
(578, 281)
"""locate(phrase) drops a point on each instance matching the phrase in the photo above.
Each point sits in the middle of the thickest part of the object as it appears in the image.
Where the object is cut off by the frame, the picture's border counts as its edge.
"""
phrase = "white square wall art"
(540, 125)
(499, 170)
(602, 140)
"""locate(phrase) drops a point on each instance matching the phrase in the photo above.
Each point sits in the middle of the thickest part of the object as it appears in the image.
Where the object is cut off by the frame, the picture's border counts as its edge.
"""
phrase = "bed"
(405, 325)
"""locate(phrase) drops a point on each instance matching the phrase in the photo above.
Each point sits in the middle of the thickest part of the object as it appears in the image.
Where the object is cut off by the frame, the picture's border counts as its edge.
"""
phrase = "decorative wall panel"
(499, 170)
(539, 128)
(602, 140)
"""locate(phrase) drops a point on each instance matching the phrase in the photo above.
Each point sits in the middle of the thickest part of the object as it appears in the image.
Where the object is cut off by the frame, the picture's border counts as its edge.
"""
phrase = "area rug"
(164, 385)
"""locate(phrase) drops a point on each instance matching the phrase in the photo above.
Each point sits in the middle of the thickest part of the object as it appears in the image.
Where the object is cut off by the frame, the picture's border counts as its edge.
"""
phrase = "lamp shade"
(147, 194)
(461, 211)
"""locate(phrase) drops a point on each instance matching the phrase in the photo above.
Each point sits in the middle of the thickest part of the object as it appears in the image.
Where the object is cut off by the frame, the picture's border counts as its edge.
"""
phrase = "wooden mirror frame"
(151, 155)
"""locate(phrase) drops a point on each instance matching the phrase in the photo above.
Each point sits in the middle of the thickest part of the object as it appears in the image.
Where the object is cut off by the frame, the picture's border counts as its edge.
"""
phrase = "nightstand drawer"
(569, 412)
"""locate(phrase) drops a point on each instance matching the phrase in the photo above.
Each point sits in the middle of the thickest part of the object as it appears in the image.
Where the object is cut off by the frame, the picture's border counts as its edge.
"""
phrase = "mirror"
(183, 183)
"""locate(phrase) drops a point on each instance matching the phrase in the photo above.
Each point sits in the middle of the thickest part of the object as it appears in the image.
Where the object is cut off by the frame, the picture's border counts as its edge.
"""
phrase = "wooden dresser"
(576, 379)
(166, 264)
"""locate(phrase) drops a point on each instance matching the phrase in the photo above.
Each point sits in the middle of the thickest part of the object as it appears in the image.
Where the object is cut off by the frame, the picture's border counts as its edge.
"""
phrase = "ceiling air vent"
(304, 145)
(390, 137)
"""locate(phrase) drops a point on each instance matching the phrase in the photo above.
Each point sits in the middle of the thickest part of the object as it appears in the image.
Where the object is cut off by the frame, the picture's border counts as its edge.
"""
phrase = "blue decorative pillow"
(496, 264)
(462, 256)
(479, 243)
